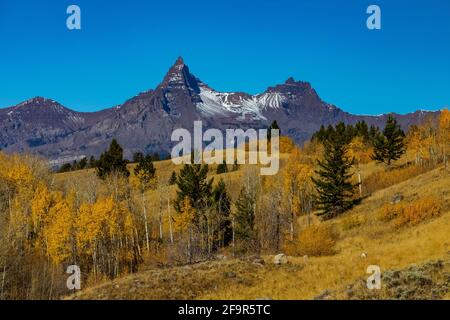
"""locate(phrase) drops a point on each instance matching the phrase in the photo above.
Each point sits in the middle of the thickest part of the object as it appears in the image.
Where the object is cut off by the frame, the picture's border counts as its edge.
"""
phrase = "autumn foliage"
(410, 214)
(317, 240)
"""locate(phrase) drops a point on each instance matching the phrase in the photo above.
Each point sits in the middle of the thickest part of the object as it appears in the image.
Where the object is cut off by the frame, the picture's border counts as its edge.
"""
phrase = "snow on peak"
(213, 103)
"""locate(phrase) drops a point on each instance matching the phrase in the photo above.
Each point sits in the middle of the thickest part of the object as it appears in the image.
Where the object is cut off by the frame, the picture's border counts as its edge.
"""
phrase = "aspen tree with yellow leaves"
(444, 134)
(59, 231)
(184, 224)
(362, 152)
(298, 187)
(144, 179)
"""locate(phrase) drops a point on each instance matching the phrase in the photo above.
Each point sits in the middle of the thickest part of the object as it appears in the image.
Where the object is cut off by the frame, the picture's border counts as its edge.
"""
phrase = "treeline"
(84, 163)
(111, 222)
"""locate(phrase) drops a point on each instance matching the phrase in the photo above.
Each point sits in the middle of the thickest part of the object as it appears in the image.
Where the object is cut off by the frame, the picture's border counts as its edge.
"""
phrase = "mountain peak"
(179, 77)
(38, 101)
(290, 80)
(180, 61)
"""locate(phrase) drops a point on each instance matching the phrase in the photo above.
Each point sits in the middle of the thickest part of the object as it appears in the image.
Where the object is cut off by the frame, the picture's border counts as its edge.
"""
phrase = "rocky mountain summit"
(146, 121)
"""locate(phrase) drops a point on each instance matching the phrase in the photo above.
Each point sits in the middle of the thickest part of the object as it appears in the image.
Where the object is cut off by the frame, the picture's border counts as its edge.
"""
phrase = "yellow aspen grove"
(40, 206)
(105, 232)
(415, 143)
(141, 181)
(444, 133)
(359, 150)
(298, 186)
(184, 225)
(362, 153)
(58, 233)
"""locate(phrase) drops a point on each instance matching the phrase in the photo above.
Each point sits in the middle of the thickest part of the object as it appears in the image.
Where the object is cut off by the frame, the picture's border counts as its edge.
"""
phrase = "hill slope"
(339, 276)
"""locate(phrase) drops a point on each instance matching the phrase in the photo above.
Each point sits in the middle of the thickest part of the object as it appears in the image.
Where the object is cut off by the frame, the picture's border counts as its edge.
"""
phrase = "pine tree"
(112, 161)
(193, 184)
(92, 162)
(82, 164)
(244, 216)
(173, 178)
(222, 168)
(138, 157)
(334, 188)
(222, 207)
(66, 167)
(390, 145)
(274, 125)
(145, 170)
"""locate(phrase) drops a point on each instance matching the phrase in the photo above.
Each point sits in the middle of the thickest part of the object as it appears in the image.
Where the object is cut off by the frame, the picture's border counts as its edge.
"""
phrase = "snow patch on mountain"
(222, 103)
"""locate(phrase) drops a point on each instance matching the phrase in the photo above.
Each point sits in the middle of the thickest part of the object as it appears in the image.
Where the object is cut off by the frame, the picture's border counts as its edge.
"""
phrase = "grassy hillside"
(418, 253)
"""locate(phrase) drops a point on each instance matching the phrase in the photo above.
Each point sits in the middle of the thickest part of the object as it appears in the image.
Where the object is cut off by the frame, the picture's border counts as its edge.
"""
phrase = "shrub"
(317, 240)
(390, 211)
(410, 214)
(418, 211)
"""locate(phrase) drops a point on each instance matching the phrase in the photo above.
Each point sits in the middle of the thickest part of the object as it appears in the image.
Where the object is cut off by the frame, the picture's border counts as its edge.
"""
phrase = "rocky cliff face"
(146, 121)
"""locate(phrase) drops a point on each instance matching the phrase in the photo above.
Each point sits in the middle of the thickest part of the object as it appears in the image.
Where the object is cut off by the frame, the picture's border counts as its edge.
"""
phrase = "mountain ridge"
(145, 121)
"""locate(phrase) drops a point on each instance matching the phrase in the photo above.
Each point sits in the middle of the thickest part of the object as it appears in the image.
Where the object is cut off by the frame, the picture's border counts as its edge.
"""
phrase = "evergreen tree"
(222, 207)
(274, 125)
(138, 157)
(390, 145)
(173, 178)
(362, 130)
(66, 167)
(82, 164)
(335, 190)
(193, 184)
(222, 168)
(92, 162)
(145, 170)
(244, 216)
(112, 161)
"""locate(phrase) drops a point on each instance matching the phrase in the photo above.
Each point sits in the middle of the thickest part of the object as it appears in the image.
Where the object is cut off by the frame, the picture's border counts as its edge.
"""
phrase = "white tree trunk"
(147, 237)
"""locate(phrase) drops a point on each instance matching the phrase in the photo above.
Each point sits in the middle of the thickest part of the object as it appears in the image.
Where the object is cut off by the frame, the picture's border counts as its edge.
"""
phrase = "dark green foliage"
(82, 164)
(79, 165)
(360, 129)
(92, 162)
(173, 178)
(138, 157)
(66, 167)
(145, 170)
(222, 208)
(222, 168)
(112, 161)
(244, 216)
(334, 187)
(274, 125)
(373, 133)
(390, 145)
(193, 183)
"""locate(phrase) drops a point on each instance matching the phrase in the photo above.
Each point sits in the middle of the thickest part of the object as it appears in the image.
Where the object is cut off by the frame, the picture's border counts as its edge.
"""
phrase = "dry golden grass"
(359, 231)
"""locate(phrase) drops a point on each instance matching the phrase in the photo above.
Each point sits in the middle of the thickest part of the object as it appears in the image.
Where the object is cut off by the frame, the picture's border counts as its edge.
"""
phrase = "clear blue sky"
(126, 47)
